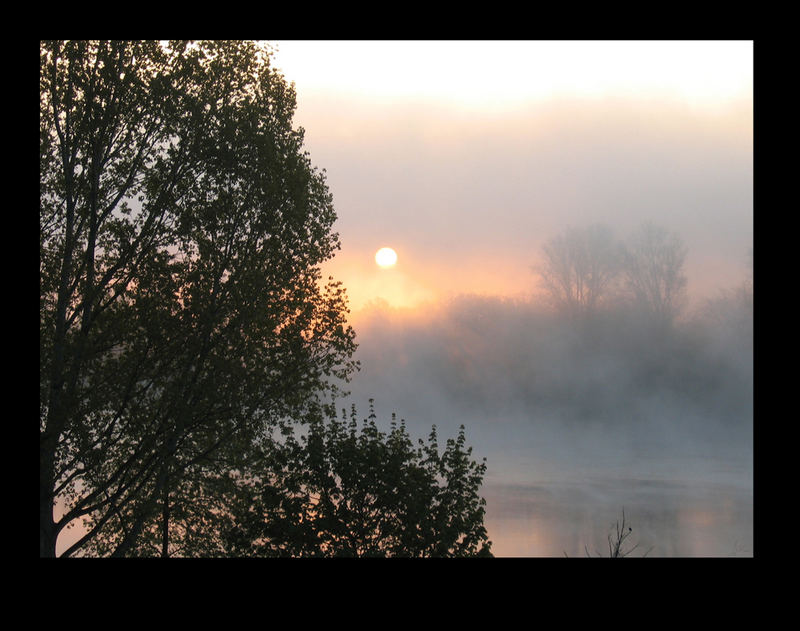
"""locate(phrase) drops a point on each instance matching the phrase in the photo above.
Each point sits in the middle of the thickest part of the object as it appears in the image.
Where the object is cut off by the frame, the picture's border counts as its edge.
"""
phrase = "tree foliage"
(182, 309)
(350, 489)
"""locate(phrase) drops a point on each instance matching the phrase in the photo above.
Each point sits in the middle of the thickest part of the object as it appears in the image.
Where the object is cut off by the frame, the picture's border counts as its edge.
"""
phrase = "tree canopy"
(345, 488)
(182, 309)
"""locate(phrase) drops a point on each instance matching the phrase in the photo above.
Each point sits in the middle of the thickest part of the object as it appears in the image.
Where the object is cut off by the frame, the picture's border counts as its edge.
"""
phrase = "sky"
(465, 156)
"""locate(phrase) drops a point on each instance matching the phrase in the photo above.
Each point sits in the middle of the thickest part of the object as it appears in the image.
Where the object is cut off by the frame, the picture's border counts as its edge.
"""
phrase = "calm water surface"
(558, 494)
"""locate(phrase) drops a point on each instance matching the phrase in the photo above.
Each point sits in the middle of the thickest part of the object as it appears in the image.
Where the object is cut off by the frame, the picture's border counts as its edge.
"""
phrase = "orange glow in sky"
(467, 155)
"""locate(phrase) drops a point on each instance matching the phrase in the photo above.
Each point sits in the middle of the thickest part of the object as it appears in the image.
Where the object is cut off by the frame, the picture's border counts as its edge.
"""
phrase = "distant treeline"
(604, 359)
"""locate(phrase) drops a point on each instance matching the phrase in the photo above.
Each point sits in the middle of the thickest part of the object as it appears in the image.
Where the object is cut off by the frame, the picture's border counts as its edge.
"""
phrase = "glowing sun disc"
(386, 257)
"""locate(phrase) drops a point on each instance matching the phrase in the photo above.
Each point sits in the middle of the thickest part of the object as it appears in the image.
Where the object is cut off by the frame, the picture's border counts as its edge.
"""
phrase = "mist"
(580, 421)
(467, 199)
(577, 422)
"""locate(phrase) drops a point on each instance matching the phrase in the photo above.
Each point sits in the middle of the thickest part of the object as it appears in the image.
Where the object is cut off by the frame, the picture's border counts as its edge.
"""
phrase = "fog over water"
(579, 423)
(467, 158)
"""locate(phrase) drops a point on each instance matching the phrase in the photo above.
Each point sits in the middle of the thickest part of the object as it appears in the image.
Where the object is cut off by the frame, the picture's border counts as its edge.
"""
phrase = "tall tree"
(182, 310)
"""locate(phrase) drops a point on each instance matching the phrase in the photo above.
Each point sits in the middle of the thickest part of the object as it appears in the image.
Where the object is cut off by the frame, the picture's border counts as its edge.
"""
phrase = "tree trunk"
(47, 528)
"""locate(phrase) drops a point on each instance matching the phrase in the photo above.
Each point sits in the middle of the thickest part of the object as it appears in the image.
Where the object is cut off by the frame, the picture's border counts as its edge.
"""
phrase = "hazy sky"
(465, 156)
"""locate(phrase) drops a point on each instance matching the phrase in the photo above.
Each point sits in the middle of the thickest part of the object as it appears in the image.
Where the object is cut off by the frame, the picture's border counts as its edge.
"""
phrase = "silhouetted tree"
(578, 269)
(345, 490)
(182, 312)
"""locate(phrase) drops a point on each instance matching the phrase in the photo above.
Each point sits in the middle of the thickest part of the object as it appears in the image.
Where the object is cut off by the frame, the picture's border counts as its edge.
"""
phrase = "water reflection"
(669, 518)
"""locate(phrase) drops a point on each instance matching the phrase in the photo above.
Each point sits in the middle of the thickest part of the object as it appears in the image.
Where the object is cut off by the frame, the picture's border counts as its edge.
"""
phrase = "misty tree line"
(611, 339)
(627, 328)
(588, 271)
(585, 270)
(189, 348)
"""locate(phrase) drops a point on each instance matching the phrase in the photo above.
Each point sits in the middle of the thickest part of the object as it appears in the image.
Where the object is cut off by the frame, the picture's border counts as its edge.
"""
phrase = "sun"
(386, 257)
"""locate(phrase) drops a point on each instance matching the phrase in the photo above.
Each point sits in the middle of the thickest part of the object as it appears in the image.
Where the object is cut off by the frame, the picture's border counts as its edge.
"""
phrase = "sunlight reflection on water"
(551, 493)
(669, 518)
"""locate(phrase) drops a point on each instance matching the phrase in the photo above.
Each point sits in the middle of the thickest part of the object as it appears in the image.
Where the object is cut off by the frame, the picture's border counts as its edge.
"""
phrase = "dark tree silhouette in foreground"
(182, 310)
(344, 489)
